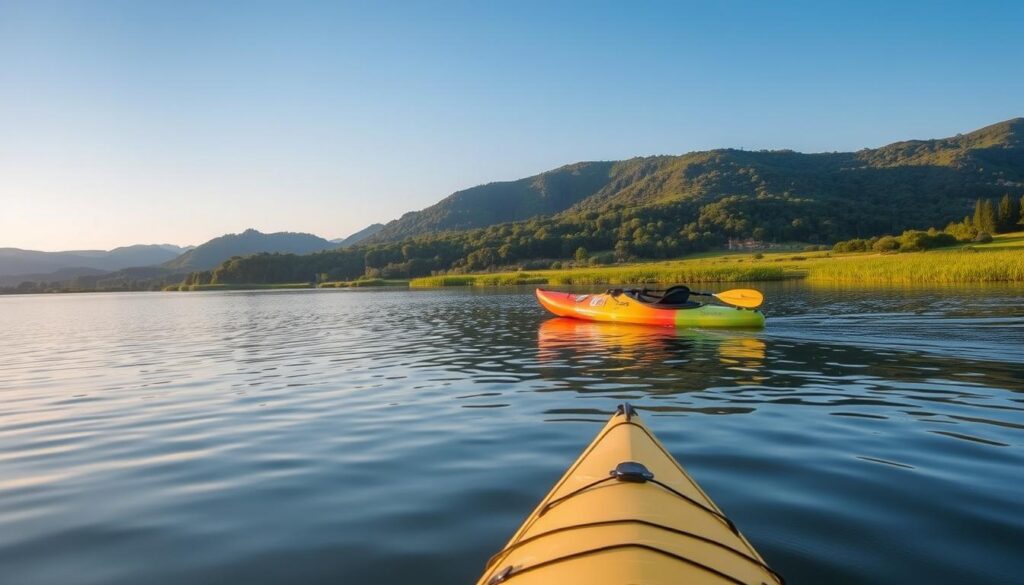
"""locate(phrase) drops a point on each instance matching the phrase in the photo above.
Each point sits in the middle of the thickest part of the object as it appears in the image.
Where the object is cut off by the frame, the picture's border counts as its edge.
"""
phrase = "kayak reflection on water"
(625, 347)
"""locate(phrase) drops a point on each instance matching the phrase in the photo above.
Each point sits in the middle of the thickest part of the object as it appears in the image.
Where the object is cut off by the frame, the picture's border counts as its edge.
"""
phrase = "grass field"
(680, 271)
(955, 265)
(999, 261)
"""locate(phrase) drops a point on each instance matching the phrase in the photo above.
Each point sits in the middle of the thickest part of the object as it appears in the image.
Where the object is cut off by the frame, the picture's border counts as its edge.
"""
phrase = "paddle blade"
(741, 297)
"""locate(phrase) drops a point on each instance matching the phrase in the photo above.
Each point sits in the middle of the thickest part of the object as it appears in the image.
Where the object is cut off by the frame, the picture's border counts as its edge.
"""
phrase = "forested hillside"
(662, 207)
(359, 236)
(873, 190)
(544, 194)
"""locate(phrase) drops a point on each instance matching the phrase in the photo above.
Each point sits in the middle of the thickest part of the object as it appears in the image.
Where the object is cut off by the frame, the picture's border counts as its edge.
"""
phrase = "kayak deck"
(627, 512)
(623, 309)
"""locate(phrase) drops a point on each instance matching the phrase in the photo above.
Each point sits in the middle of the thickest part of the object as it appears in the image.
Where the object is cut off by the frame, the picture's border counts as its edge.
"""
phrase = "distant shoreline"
(1002, 260)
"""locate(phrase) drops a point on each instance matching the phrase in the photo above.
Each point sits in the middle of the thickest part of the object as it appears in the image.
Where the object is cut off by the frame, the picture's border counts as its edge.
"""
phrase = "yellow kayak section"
(627, 513)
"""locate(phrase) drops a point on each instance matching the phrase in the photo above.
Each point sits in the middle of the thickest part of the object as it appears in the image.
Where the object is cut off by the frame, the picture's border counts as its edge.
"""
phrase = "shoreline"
(1001, 261)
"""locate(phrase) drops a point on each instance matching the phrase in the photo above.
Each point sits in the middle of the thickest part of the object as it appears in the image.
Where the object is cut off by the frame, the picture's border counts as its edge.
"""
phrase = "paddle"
(747, 298)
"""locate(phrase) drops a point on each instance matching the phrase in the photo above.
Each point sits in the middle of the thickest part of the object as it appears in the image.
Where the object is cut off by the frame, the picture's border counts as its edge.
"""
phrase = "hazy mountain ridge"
(361, 235)
(132, 266)
(217, 250)
(16, 261)
(63, 274)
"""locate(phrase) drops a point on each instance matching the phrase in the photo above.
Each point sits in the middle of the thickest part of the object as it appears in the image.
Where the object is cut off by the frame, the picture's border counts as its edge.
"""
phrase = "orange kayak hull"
(623, 309)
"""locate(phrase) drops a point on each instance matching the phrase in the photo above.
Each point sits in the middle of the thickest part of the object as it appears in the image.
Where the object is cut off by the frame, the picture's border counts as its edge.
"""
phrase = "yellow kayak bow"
(626, 512)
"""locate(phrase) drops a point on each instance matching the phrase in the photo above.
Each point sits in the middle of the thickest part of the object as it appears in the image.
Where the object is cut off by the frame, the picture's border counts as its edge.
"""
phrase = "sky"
(175, 122)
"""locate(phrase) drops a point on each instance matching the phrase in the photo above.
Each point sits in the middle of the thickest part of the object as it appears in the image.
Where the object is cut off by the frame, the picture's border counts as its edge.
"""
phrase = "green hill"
(217, 250)
(887, 188)
(669, 206)
(544, 194)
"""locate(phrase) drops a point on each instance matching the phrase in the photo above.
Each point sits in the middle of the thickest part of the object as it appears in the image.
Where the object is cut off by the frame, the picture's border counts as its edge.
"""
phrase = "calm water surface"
(397, 437)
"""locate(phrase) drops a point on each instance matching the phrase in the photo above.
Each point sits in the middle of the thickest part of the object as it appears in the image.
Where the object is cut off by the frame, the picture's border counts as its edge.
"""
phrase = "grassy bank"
(958, 265)
(203, 287)
(679, 271)
(333, 284)
(362, 283)
(999, 261)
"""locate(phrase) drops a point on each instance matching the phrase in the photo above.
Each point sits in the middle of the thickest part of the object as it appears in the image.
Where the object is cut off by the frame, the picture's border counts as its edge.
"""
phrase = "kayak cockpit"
(673, 297)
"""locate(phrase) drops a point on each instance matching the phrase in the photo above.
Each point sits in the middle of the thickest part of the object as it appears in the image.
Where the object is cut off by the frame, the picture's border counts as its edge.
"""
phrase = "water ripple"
(387, 437)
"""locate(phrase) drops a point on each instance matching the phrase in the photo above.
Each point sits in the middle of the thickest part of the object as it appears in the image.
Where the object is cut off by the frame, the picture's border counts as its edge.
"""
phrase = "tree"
(622, 251)
(581, 255)
(963, 230)
(854, 245)
(374, 258)
(984, 216)
(1008, 215)
(1020, 212)
(481, 259)
(886, 244)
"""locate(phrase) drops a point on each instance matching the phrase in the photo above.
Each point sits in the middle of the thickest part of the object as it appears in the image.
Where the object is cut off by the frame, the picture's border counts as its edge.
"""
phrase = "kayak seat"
(676, 297)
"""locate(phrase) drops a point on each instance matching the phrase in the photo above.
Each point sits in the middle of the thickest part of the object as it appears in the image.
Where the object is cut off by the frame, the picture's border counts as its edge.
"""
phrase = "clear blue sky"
(150, 122)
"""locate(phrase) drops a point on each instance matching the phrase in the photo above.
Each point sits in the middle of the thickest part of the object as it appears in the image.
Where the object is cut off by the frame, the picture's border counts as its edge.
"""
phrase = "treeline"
(990, 217)
(74, 285)
(618, 234)
(908, 241)
(146, 278)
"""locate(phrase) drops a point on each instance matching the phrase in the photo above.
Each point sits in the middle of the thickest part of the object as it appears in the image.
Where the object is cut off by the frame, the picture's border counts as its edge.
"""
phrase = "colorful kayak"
(624, 308)
(624, 513)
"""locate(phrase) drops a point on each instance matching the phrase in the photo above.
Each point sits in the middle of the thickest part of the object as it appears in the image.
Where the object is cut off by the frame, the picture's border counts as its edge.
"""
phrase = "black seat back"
(675, 295)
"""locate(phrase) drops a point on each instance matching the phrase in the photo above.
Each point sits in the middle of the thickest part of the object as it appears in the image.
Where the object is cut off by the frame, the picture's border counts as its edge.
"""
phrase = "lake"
(390, 437)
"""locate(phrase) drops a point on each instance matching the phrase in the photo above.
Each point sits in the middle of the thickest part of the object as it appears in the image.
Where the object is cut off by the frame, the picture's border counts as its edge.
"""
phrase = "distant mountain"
(15, 261)
(217, 250)
(905, 184)
(63, 274)
(544, 194)
(924, 180)
(359, 236)
(176, 249)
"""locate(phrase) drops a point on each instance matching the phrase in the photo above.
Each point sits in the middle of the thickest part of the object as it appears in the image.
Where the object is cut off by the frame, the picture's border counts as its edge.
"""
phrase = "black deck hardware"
(626, 409)
(632, 472)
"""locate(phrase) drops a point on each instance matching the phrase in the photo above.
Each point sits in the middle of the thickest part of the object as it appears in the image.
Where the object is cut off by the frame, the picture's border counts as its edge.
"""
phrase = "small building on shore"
(747, 244)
